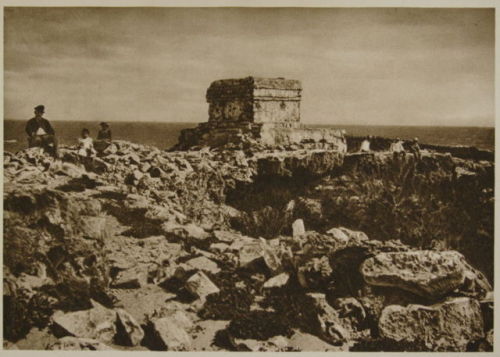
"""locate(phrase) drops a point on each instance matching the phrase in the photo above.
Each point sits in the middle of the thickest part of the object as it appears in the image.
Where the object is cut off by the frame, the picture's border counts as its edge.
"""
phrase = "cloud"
(379, 66)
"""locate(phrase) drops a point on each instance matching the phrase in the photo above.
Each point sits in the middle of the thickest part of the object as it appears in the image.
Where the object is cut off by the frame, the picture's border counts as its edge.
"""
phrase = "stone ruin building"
(262, 110)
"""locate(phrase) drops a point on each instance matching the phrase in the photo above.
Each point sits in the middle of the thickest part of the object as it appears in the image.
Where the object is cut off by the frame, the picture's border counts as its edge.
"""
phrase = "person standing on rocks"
(40, 132)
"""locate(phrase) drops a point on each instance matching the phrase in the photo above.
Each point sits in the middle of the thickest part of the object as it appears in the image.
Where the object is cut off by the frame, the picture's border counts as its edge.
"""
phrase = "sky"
(366, 66)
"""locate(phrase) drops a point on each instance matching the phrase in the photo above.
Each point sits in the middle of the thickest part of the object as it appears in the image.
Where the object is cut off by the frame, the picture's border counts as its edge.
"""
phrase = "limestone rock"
(298, 227)
(203, 263)
(345, 235)
(70, 343)
(314, 273)
(94, 227)
(357, 235)
(277, 281)
(145, 167)
(219, 247)
(338, 235)
(226, 236)
(352, 316)
(447, 326)
(200, 285)
(328, 324)
(137, 175)
(171, 335)
(249, 252)
(188, 231)
(429, 274)
(301, 341)
(132, 332)
(97, 323)
(132, 278)
(255, 249)
(134, 158)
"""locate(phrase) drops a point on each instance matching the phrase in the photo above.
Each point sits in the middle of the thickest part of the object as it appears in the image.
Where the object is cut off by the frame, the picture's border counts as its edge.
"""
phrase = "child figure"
(86, 145)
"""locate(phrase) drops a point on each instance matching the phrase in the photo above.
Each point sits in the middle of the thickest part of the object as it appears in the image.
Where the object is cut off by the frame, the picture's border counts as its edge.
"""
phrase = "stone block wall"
(263, 110)
(252, 99)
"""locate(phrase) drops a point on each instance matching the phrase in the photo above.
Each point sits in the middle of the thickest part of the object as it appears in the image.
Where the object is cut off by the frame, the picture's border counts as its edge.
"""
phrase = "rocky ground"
(247, 249)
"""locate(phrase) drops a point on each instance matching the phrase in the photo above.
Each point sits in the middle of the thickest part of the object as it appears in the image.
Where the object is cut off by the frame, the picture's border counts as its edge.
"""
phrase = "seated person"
(40, 132)
(86, 145)
(365, 145)
(103, 137)
(415, 149)
(397, 146)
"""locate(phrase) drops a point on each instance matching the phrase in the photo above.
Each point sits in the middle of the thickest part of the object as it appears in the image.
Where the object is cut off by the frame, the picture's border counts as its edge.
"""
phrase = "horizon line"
(306, 124)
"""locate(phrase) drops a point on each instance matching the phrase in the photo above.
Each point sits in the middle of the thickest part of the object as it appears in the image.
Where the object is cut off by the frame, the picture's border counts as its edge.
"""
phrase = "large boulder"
(447, 326)
(97, 323)
(430, 274)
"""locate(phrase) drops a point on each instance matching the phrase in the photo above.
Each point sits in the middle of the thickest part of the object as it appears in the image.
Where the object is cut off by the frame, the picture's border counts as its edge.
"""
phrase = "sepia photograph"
(263, 179)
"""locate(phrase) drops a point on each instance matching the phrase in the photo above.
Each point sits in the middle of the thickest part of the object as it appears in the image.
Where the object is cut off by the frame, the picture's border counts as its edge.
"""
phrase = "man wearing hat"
(103, 138)
(40, 132)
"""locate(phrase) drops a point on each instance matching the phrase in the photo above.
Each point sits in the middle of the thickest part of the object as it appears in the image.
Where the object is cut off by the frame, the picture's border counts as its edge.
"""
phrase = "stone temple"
(262, 110)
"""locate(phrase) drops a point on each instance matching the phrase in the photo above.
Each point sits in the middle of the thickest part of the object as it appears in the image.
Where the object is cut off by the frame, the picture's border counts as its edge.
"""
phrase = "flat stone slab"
(427, 273)
(203, 263)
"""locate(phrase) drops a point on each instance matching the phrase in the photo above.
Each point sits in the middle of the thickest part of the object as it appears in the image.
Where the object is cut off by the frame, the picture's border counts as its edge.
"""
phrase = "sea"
(165, 135)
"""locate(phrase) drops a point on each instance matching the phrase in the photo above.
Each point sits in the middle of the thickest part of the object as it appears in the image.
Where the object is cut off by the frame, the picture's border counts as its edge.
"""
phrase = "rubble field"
(247, 248)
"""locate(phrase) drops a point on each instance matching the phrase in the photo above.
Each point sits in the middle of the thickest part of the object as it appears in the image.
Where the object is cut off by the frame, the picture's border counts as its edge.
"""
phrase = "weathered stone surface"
(94, 227)
(357, 235)
(219, 247)
(328, 324)
(429, 274)
(43, 229)
(203, 263)
(249, 252)
(256, 110)
(132, 278)
(70, 343)
(226, 236)
(173, 336)
(277, 281)
(314, 273)
(448, 326)
(189, 231)
(301, 341)
(298, 227)
(131, 331)
(253, 249)
(97, 323)
(200, 285)
(338, 235)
